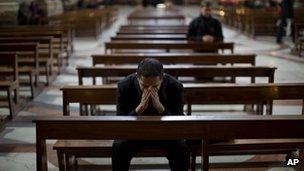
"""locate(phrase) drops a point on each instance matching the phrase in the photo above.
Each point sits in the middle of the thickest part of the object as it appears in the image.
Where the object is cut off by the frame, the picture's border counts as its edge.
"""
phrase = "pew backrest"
(180, 71)
(9, 60)
(259, 93)
(174, 58)
(169, 45)
(45, 43)
(22, 48)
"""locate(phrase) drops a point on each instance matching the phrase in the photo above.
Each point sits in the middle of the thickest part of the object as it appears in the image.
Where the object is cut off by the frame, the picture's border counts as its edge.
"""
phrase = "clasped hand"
(208, 38)
(149, 94)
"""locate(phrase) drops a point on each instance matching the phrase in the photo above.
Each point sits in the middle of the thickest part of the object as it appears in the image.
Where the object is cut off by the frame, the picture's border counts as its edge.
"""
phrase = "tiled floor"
(17, 142)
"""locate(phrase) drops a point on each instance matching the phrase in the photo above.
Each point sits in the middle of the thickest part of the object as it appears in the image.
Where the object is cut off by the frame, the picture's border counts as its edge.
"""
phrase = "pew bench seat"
(73, 149)
(103, 148)
(6, 84)
(251, 146)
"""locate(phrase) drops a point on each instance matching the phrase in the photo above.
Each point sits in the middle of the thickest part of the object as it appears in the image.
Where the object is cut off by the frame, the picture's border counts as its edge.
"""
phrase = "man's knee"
(121, 145)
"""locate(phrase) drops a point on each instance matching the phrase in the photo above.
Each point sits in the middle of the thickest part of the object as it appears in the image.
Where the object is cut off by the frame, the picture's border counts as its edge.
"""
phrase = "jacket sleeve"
(219, 32)
(122, 106)
(176, 102)
(191, 34)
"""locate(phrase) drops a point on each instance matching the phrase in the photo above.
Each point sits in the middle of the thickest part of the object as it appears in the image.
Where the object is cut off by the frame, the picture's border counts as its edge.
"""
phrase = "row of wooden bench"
(74, 94)
(259, 93)
(42, 50)
(87, 22)
(156, 16)
(161, 37)
(254, 22)
(262, 94)
(248, 132)
(160, 41)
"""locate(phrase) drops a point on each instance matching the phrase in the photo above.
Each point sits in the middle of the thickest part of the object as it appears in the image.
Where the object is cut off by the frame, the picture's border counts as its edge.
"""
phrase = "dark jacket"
(202, 26)
(170, 95)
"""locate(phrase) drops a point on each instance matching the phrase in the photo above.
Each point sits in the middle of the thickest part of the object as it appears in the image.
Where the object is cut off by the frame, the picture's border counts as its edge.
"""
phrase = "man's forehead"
(150, 81)
(206, 7)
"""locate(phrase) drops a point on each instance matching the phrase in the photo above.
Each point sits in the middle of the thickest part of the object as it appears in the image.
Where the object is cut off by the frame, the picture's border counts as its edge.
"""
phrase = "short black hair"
(207, 4)
(150, 67)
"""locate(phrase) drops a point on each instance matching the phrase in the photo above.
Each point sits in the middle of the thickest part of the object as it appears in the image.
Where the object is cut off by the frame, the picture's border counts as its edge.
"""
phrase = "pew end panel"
(9, 83)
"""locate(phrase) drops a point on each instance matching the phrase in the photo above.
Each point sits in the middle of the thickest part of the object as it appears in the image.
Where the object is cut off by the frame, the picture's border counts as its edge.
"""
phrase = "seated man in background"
(205, 28)
(150, 92)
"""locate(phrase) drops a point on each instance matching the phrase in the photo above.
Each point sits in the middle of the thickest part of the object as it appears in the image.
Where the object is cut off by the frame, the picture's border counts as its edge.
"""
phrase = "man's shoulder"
(216, 20)
(196, 19)
(172, 82)
(127, 82)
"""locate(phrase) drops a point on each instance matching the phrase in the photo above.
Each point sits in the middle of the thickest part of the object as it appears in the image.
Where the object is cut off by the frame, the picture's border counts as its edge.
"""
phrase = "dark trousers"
(280, 30)
(176, 152)
(145, 3)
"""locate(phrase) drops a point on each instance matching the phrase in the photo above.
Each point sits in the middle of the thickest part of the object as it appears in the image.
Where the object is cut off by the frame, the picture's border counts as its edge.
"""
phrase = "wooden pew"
(133, 26)
(105, 72)
(45, 53)
(68, 32)
(155, 27)
(72, 150)
(168, 45)
(60, 37)
(156, 18)
(205, 128)
(299, 38)
(58, 51)
(9, 83)
(181, 32)
(253, 22)
(175, 58)
(87, 22)
(262, 23)
(262, 94)
(32, 69)
(149, 37)
(179, 71)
